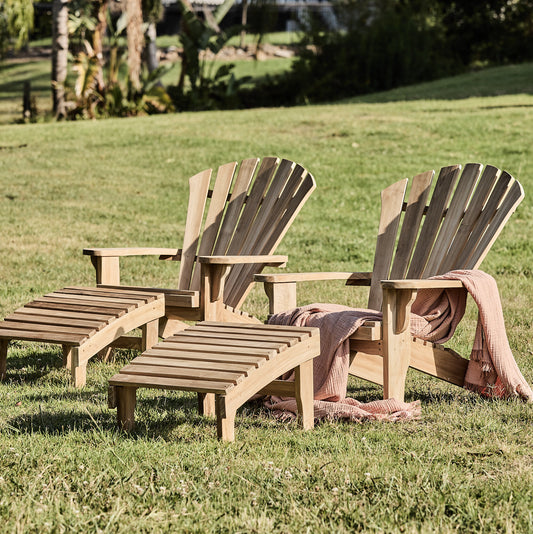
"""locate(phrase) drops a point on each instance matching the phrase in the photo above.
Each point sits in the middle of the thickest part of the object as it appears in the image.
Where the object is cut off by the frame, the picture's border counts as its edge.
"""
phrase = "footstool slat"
(86, 331)
(200, 386)
(236, 337)
(191, 364)
(227, 377)
(59, 321)
(249, 360)
(51, 312)
(171, 343)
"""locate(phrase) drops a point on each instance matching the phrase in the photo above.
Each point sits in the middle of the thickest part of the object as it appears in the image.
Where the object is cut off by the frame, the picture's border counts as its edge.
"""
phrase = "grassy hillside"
(464, 467)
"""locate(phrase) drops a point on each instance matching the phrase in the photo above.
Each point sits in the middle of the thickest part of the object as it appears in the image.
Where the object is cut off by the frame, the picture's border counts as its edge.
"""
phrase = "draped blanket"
(492, 370)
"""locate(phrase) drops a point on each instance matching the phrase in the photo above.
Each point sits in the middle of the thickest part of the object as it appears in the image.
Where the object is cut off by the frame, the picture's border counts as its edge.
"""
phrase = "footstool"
(226, 364)
(84, 320)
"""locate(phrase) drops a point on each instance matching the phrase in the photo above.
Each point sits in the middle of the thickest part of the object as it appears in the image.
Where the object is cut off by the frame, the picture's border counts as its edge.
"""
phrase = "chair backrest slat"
(454, 214)
(198, 189)
(472, 214)
(433, 219)
(235, 204)
(414, 211)
(460, 226)
(391, 211)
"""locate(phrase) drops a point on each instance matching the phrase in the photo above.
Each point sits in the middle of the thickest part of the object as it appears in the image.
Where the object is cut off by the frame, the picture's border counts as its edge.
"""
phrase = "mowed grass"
(465, 466)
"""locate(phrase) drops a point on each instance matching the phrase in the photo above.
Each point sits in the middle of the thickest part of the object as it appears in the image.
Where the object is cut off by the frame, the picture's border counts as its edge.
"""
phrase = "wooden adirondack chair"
(454, 230)
(230, 234)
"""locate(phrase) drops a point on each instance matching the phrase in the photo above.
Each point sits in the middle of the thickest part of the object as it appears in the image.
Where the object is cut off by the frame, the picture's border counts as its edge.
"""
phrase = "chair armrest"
(106, 260)
(130, 251)
(354, 279)
(273, 261)
(421, 284)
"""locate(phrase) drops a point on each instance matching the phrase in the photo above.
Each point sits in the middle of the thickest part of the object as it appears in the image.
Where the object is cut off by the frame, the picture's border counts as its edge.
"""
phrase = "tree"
(16, 23)
(59, 55)
(135, 36)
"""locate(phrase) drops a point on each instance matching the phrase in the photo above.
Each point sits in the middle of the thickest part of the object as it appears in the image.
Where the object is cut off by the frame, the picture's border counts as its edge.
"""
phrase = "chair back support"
(454, 230)
(247, 212)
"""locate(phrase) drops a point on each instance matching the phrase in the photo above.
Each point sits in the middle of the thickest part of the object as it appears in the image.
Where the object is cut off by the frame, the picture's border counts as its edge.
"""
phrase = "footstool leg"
(3, 357)
(206, 404)
(150, 334)
(126, 400)
(225, 420)
(78, 370)
(67, 357)
(304, 394)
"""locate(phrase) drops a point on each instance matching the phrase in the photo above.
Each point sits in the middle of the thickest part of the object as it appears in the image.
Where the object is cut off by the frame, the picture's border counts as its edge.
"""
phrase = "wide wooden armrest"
(289, 278)
(130, 251)
(275, 261)
(421, 284)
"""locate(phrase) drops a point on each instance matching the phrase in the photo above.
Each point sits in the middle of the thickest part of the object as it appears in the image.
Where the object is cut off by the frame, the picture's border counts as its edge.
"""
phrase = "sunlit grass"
(464, 467)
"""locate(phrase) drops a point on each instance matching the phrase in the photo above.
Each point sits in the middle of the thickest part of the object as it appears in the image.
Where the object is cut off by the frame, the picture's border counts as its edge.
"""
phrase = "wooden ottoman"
(84, 320)
(226, 364)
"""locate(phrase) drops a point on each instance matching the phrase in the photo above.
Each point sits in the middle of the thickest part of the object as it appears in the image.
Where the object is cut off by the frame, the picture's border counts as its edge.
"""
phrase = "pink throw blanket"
(492, 370)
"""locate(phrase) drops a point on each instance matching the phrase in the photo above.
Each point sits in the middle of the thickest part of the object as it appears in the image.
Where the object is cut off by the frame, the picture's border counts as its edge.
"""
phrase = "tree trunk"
(59, 56)
(135, 41)
(151, 48)
(98, 38)
(244, 21)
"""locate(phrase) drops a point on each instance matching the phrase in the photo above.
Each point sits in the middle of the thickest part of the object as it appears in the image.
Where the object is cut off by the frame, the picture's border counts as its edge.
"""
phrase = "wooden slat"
(203, 386)
(75, 308)
(57, 301)
(391, 210)
(452, 220)
(260, 327)
(214, 348)
(101, 300)
(65, 314)
(48, 328)
(198, 188)
(506, 209)
(185, 338)
(227, 356)
(236, 202)
(236, 337)
(284, 337)
(255, 198)
(481, 224)
(227, 377)
(59, 321)
(107, 296)
(241, 368)
(437, 207)
(473, 211)
(44, 337)
(214, 216)
(414, 212)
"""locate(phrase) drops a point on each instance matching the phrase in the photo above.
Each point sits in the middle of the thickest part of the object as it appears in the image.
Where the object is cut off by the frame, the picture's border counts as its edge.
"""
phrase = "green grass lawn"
(465, 466)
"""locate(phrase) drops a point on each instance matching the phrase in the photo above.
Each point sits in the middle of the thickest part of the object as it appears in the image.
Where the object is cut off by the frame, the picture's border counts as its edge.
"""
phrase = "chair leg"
(303, 386)
(126, 400)
(150, 334)
(396, 341)
(78, 370)
(3, 357)
(225, 420)
(206, 404)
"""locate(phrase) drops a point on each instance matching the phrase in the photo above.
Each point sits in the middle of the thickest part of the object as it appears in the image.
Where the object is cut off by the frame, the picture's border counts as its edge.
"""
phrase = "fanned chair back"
(454, 230)
(247, 212)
